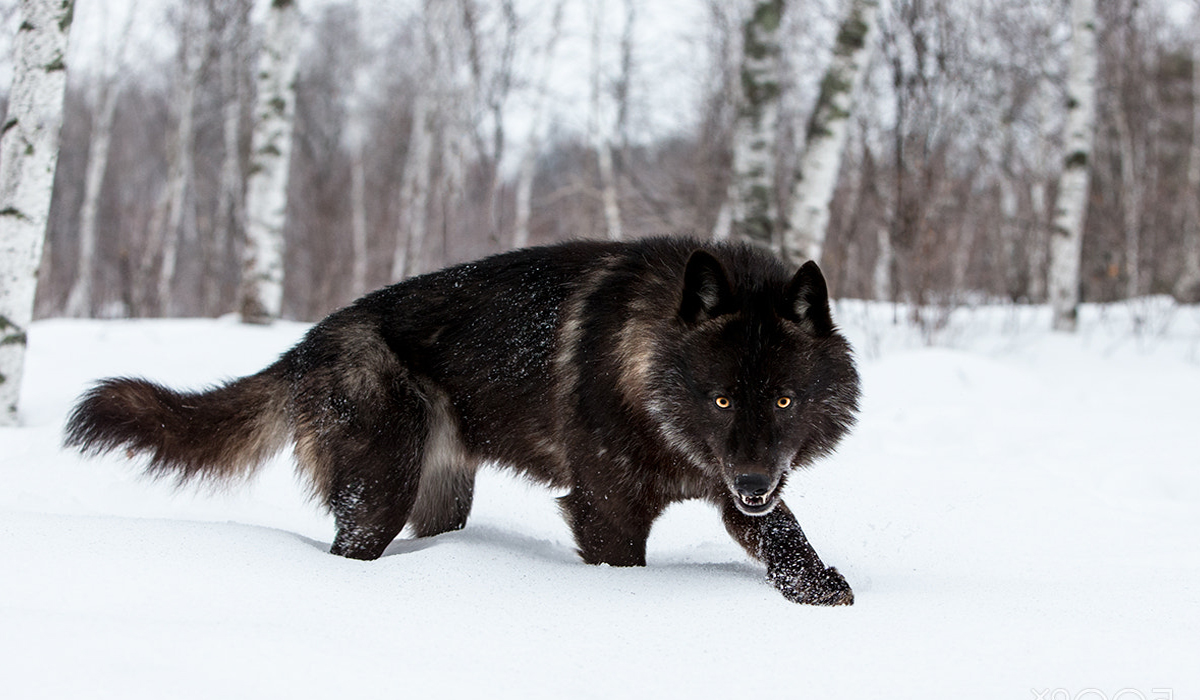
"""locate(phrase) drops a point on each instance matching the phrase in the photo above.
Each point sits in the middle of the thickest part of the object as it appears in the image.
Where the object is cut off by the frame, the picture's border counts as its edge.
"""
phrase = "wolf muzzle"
(755, 493)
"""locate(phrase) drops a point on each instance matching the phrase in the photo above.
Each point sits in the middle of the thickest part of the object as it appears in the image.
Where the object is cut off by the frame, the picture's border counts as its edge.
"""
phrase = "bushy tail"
(214, 435)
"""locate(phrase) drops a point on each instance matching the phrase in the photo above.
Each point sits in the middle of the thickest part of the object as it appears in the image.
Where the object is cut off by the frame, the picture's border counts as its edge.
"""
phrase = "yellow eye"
(722, 402)
(783, 402)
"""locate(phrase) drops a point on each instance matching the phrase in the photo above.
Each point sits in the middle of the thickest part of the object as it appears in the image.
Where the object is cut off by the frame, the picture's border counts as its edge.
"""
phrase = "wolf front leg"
(792, 564)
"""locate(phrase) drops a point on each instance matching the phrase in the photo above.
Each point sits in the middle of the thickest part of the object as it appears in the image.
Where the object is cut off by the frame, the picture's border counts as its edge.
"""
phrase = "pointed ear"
(807, 300)
(706, 290)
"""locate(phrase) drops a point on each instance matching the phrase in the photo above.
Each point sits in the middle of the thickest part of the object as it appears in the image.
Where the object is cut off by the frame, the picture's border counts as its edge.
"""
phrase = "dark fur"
(593, 367)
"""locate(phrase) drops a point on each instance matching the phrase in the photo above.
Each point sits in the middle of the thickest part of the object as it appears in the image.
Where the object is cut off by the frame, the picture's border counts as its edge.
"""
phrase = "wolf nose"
(752, 484)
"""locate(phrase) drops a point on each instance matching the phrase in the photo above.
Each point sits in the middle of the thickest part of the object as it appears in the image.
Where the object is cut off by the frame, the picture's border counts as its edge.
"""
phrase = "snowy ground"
(1017, 512)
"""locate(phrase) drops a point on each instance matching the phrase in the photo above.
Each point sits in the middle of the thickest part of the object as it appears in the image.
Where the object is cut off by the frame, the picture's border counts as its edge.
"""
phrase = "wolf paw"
(813, 586)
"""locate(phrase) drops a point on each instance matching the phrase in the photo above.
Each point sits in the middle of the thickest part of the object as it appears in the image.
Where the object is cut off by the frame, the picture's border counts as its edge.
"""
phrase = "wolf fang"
(587, 366)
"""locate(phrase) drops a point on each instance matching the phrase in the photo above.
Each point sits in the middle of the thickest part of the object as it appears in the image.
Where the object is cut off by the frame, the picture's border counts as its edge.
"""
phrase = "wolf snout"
(752, 484)
(754, 492)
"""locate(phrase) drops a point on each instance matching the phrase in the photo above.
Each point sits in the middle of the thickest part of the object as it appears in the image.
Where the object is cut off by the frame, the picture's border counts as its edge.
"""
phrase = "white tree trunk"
(270, 161)
(28, 156)
(356, 144)
(1187, 288)
(753, 209)
(825, 136)
(414, 193)
(533, 145)
(415, 180)
(882, 277)
(1010, 231)
(601, 132)
(1066, 234)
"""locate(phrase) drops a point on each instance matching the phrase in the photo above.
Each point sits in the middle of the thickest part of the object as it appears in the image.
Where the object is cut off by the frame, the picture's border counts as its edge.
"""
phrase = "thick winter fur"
(632, 374)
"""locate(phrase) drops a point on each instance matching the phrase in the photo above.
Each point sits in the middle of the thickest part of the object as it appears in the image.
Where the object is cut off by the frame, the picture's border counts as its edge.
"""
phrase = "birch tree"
(752, 206)
(533, 143)
(825, 135)
(270, 159)
(418, 162)
(356, 140)
(601, 131)
(28, 156)
(1066, 234)
(1187, 288)
(491, 55)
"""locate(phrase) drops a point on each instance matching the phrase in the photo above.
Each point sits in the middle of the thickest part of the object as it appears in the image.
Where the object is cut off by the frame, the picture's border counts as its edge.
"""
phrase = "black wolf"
(632, 374)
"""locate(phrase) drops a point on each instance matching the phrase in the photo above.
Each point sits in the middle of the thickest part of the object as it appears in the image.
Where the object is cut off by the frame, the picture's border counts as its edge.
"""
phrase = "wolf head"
(757, 381)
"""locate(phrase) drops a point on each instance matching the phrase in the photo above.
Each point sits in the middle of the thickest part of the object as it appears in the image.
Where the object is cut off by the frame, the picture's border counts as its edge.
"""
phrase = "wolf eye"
(722, 402)
(783, 402)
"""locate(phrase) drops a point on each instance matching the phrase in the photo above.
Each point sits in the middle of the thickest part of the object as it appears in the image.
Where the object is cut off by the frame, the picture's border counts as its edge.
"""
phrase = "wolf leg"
(444, 502)
(371, 506)
(366, 458)
(613, 535)
(793, 566)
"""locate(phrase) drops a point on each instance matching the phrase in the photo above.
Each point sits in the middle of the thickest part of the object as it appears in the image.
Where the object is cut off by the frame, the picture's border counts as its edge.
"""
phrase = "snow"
(1017, 512)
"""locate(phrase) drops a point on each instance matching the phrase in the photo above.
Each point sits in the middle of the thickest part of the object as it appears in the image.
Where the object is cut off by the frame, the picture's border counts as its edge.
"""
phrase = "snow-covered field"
(1018, 513)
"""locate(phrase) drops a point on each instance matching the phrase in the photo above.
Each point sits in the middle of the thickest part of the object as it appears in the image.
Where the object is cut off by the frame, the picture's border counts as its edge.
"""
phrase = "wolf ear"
(807, 300)
(706, 290)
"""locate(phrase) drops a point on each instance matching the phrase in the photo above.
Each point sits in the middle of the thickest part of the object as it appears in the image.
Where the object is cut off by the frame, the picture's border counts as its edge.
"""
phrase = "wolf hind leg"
(447, 473)
(443, 502)
(366, 462)
(608, 535)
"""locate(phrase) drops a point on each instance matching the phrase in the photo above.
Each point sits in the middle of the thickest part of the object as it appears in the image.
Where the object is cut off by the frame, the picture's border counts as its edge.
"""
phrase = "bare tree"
(825, 135)
(271, 147)
(533, 143)
(753, 210)
(233, 17)
(180, 197)
(28, 155)
(601, 130)
(1066, 235)
(492, 77)
(436, 120)
(1187, 288)
(107, 88)
(357, 143)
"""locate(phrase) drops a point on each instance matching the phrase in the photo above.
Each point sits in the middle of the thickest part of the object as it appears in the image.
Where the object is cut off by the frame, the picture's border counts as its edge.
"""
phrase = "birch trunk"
(271, 149)
(753, 210)
(1187, 288)
(601, 134)
(415, 180)
(28, 156)
(533, 146)
(825, 136)
(885, 260)
(356, 144)
(1066, 234)
(1010, 233)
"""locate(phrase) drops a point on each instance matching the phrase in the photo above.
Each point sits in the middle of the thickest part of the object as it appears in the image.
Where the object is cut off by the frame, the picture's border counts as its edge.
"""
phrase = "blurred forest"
(944, 195)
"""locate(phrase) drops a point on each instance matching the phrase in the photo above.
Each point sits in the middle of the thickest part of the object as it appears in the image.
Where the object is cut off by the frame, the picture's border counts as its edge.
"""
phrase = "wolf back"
(632, 375)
